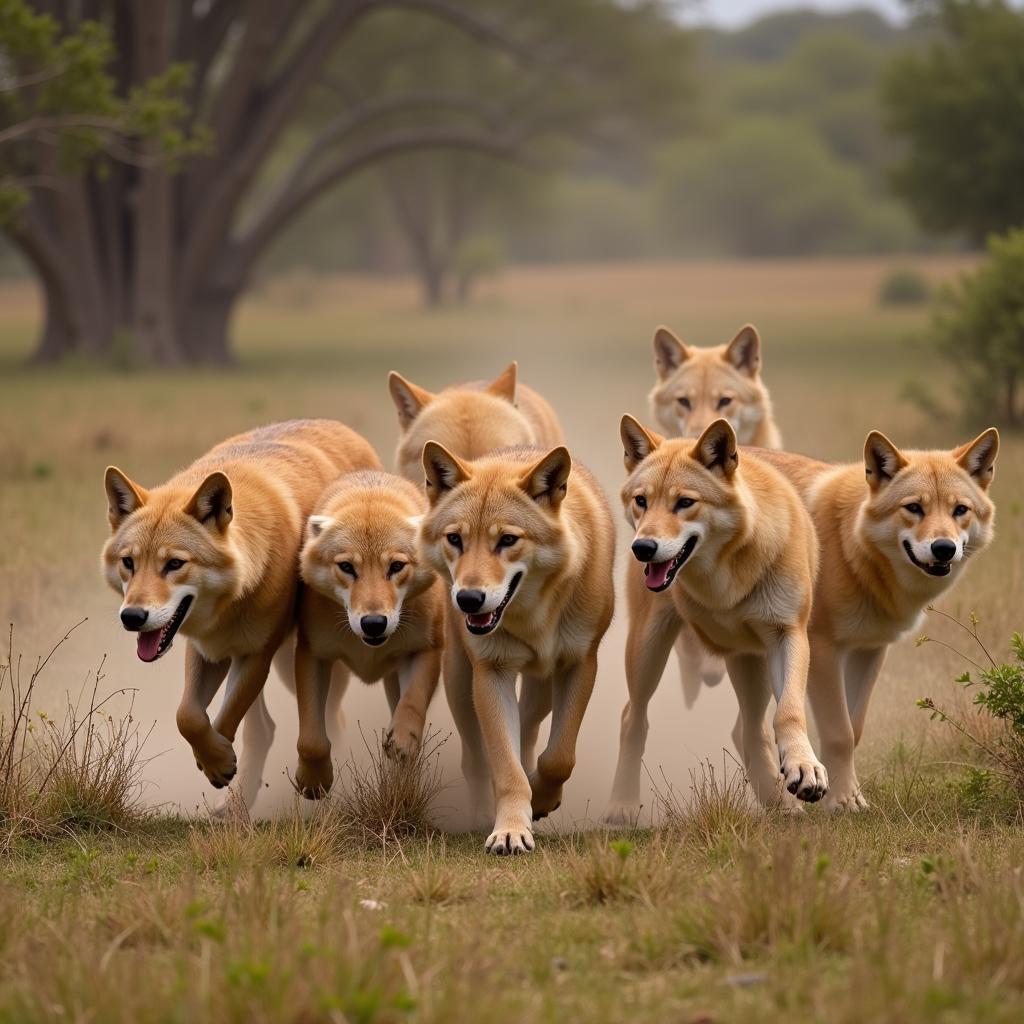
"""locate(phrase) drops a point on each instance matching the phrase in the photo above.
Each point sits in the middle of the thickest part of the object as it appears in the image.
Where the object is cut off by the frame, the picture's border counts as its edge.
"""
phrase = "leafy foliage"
(959, 104)
(59, 104)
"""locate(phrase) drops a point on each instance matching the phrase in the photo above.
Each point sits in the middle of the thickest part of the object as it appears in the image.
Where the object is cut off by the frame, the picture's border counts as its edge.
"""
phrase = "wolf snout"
(134, 618)
(644, 549)
(373, 625)
(470, 601)
(944, 550)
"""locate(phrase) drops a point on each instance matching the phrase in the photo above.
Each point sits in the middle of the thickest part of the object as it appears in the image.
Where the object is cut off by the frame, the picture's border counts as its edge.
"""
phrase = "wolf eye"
(348, 568)
(174, 564)
(396, 567)
(914, 508)
(454, 539)
(960, 510)
(128, 564)
(684, 503)
(507, 540)
(641, 501)
(724, 401)
(684, 402)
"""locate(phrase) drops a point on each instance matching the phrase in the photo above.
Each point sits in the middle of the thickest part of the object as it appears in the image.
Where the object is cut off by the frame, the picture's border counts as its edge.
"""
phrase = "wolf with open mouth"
(212, 554)
(726, 546)
(526, 542)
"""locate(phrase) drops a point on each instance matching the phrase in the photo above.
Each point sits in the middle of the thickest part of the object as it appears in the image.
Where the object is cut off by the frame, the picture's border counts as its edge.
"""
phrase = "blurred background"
(221, 213)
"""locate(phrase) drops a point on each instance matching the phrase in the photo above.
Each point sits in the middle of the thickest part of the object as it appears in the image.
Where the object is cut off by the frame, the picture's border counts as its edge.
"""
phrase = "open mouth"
(155, 643)
(935, 569)
(659, 575)
(373, 641)
(482, 624)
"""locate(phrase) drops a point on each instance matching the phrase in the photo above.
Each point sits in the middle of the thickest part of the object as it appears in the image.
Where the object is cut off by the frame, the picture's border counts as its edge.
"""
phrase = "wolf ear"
(716, 449)
(504, 385)
(669, 353)
(882, 460)
(212, 501)
(978, 457)
(317, 524)
(123, 497)
(637, 442)
(548, 479)
(443, 470)
(409, 399)
(744, 351)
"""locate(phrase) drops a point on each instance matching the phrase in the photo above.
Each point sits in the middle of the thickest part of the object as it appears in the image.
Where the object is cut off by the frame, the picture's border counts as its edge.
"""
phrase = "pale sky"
(730, 13)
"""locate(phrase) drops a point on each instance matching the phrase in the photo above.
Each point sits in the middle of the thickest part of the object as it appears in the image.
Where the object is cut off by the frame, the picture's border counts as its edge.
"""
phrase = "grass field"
(913, 912)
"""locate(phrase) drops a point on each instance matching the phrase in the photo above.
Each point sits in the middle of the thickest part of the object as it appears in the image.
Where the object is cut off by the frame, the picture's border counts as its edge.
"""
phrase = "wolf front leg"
(314, 773)
(417, 681)
(494, 697)
(789, 657)
(458, 689)
(534, 707)
(831, 713)
(654, 625)
(860, 673)
(570, 696)
(214, 754)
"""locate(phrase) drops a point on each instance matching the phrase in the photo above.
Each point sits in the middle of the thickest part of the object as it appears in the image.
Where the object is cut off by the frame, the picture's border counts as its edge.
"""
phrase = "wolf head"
(697, 386)
(170, 555)
(469, 420)
(680, 497)
(928, 511)
(494, 527)
(361, 552)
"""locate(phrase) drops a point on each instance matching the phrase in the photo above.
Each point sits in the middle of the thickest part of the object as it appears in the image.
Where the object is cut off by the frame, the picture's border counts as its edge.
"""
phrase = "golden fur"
(870, 592)
(528, 538)
(234, 519)
(729, 549)
(361, 560)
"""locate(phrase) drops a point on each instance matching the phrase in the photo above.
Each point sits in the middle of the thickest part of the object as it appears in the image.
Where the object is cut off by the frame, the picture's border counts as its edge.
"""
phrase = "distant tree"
(958, 105)
(123, 247)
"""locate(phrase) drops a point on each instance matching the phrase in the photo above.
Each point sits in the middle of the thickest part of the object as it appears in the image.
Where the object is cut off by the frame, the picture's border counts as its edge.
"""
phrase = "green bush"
(979, 328)
(903, 287)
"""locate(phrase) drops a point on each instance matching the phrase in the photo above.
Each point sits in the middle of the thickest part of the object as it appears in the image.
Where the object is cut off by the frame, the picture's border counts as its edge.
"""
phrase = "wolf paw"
(803, 775)
(217, 762)
(849, 802)
(505, 842)
(545, 797)
(313, 778)
(621, 815)
(401, 743)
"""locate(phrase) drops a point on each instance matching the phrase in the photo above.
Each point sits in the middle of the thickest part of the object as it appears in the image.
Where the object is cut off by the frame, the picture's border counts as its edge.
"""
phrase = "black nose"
(373, 625)
(943, 549)
(645, 549)
(134, 618)
(470, 600)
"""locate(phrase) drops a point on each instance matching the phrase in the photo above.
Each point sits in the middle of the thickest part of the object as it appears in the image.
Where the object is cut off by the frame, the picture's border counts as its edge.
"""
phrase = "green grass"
(913, 912)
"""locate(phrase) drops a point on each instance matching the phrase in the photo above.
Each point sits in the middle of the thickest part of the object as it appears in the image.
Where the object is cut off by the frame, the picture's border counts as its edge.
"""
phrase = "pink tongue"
(656, 573)
(149, 644)
(479, 620)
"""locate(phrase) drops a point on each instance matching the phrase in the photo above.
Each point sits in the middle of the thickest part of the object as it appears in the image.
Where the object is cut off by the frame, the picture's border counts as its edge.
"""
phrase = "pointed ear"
(882, 460)
(978, 457)
(317, 524)
(744, 351)
(409, 399)
(504, 385)
(123, 496)
(443, 470)
(211, 504)
(548, 479)
(669, 353)
(716, 449)
(637, 442)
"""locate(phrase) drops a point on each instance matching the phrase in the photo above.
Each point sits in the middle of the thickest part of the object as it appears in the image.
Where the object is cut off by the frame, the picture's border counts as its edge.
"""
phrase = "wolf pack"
(486, 561)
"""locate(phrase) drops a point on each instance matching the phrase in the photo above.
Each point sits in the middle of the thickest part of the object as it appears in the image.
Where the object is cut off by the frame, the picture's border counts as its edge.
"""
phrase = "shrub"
(476, 258)
(903, 287)
(979, 328)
